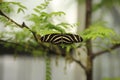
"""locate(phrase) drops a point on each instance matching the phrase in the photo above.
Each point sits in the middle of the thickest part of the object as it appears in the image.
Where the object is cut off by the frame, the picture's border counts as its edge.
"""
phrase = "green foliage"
(8, 7)
(26, 36)
(42, 6)
(42, 24)
(105, 4)
(44, 21)
(102, 36)
(81, 1)
(98, 30)
(6, 21)
(37, 53)
(48, 68)
(115, 39)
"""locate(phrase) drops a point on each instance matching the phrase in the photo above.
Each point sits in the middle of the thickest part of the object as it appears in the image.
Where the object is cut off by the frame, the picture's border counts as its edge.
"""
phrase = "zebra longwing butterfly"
(57, 38)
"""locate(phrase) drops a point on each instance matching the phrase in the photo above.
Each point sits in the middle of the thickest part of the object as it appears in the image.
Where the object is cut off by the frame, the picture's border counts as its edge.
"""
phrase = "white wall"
(28, 68)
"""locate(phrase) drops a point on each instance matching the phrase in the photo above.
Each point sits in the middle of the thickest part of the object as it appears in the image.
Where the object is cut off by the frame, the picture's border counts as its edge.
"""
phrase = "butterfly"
(58, 38)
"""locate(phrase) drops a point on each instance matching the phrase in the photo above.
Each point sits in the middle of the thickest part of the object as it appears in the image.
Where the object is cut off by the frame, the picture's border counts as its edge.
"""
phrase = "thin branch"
(89, 71)
(104, 51)
(21, 26)
(6, 49)
(87, 24)
(3, 14)
(80, 63)
(28, 50)
(34, 33)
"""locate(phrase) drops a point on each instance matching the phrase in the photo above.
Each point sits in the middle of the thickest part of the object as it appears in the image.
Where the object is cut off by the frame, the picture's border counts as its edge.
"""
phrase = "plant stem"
(21, 26)
(48, 68)
(104, 51)
(87, 23)
(89, 71)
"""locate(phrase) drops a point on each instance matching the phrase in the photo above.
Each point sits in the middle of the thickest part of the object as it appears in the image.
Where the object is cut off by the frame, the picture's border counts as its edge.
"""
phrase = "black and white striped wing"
(57, 38)
(54, 38)
(71, 38)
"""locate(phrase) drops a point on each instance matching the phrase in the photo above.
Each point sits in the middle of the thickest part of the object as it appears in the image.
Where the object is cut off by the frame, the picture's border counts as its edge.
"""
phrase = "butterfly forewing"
(73, 38)
(57, 38)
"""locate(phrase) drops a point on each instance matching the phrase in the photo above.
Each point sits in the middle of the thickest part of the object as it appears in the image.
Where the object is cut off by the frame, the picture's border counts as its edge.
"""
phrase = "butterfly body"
(57, 38)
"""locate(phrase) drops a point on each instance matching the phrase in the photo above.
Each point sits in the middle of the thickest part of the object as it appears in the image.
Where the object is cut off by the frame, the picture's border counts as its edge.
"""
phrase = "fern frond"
(51, 26)
(6, 21)
(115, 39)
(38, 9)
(98, 30)
(106, 4)
(59, 13)
(7, 6)
(63, 24)
(48, 68)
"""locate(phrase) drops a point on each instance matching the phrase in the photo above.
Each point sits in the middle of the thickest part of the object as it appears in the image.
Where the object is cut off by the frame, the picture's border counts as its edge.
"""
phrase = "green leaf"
(46, 31)
(98, 30)
(36, 10)
(20, 10)
(6, 6)
(37, 53)
(105, 4)
(115, 39)
(59, 13)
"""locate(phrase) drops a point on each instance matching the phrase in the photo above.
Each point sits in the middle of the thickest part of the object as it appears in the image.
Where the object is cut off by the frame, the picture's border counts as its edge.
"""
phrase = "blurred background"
(29, 68)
